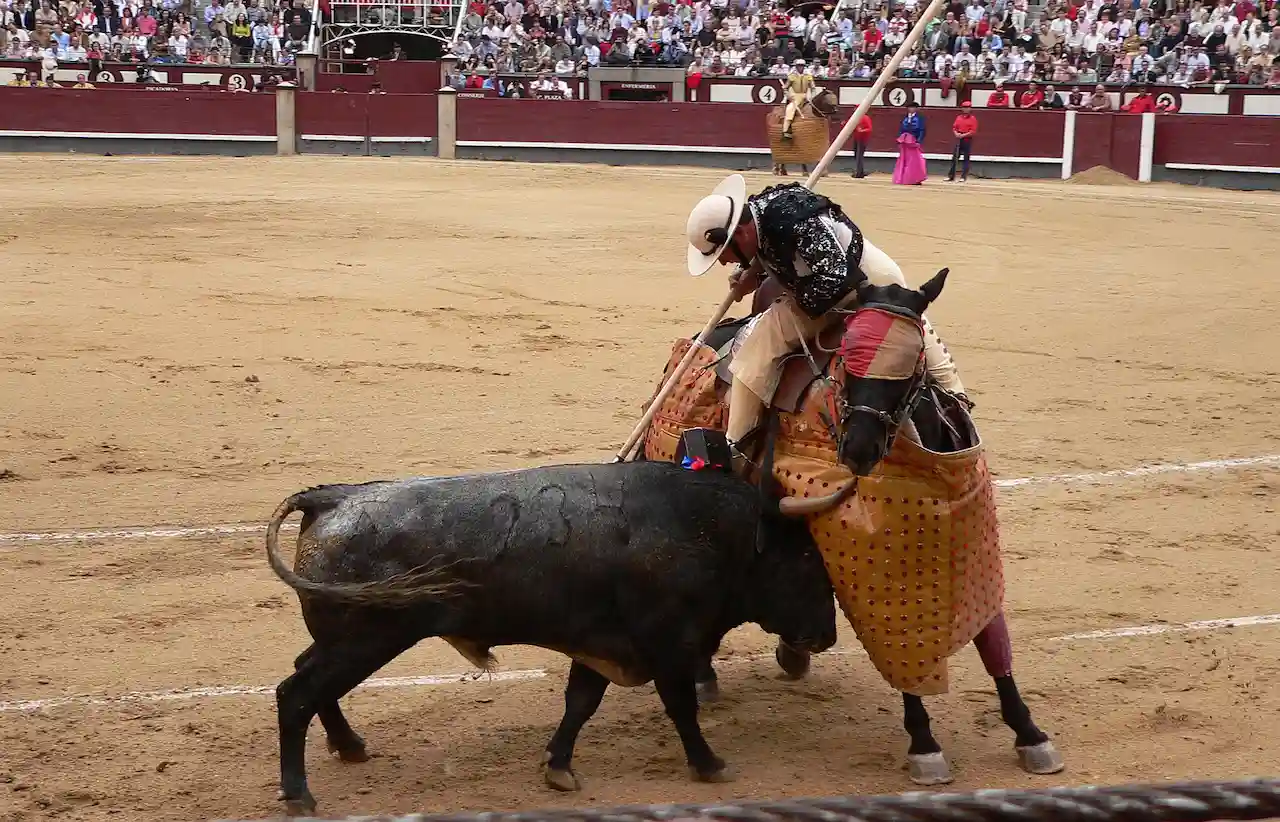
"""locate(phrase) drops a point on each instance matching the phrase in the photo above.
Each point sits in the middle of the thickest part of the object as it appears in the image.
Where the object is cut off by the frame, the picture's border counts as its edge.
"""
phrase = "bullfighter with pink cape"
(910, 169)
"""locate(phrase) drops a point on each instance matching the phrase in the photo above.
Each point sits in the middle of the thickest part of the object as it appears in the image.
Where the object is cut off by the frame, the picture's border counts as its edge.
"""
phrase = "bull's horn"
(802, 507)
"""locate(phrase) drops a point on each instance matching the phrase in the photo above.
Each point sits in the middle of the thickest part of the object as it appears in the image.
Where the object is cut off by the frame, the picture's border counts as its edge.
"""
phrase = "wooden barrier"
(1233, 150)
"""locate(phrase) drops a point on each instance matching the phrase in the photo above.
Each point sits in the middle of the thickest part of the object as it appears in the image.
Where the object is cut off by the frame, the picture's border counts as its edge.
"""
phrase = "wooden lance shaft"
(890, 69)
(913, 37)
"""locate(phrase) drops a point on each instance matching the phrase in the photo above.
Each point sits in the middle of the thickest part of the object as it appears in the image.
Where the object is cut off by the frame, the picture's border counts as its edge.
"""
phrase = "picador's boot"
(739, 462)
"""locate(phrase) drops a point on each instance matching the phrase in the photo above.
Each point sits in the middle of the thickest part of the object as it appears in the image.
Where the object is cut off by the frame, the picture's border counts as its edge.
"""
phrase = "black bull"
(634, 570)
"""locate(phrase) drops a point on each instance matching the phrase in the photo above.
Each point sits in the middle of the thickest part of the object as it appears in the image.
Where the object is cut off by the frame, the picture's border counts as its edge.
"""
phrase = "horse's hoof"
(717, 774)
(708, 692)
(795, 664)
(560, 779)
(929, 769)
(303, 806)
(353, 753)
(1041, 759)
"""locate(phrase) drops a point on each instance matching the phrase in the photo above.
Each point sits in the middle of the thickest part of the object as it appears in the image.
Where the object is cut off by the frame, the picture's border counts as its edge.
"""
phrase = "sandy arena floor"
(187, 341)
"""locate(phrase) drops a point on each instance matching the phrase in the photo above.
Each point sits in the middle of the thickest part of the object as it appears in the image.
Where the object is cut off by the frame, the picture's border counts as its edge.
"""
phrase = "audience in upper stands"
(1066, 42)
(152, 31)
(1109, 42)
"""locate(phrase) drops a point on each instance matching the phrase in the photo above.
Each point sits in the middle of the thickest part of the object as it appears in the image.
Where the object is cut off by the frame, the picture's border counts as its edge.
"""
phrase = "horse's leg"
(706, 682)
(928, 763)
(1036, 752)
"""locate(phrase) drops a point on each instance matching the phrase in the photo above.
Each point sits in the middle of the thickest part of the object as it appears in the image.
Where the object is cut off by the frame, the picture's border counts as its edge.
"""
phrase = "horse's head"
(825, 103)
(883, 356)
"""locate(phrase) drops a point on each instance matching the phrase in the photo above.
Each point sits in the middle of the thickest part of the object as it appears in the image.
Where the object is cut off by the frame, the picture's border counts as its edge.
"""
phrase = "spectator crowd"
(152, 32)
(1087, 42)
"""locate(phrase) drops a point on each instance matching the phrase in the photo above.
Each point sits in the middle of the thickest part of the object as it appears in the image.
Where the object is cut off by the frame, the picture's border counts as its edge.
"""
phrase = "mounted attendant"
(870, 442)
(810, 247)
(799, 84)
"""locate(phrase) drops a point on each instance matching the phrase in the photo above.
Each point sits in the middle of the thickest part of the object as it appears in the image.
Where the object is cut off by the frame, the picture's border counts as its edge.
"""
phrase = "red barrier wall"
(395, 76)
(166, 74)
(361, 115)
(1111, 140)
(1218, 140)
(83, 110)
(728, 125)
(1003, 133)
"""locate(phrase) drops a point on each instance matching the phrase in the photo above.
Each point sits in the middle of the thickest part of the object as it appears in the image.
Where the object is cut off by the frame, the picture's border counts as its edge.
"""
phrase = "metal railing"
(1173, 802)
(313, 36)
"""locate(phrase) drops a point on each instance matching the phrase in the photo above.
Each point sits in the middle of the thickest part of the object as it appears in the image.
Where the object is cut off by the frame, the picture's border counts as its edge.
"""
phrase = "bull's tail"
(410, 588)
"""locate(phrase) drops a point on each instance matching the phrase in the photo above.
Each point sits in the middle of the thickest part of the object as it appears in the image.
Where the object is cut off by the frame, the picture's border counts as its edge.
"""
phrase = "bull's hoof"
(708, 691)
(718, 772)
(302, 806)
(795, 664)
(559, 779)
(929, 769)
(353, 751)
(1041, 759)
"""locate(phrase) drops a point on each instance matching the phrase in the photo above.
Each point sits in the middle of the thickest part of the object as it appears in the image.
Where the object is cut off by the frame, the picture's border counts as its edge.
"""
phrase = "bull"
(635, 571)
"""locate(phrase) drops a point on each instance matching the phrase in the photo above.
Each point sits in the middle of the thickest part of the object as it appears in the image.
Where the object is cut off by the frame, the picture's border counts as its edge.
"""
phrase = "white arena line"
(188, 694)
(1018, 482)
(1173, 628)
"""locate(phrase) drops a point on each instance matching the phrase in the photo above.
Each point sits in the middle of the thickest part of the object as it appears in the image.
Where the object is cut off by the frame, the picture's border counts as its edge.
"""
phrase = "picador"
(814, 251)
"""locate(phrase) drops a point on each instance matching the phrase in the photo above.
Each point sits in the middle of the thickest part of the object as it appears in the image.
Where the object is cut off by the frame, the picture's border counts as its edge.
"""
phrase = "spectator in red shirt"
(964, 128)
(1032, 97)
(1144, 103)
(999, 98)
(861, 136)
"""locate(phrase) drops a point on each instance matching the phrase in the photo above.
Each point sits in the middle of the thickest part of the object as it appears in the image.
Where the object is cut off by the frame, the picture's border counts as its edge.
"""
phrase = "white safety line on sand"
(159, 532)
(187, 694)
(1141, 471)
(1173, 628)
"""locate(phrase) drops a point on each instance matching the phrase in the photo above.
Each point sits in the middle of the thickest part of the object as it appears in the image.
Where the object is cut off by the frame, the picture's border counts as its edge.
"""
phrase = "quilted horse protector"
(810, 132)
(914, 555)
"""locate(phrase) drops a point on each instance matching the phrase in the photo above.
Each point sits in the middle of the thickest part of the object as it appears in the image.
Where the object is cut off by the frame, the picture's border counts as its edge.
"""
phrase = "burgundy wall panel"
(1022, 134)
(328, 113)
(1218, 139)
(358, 115)
(408, 76)
(400, 115)
(739, 125)
(1003, 133)
(1126, 143)
(175, 112)
(1110, 140)
(1093, 142)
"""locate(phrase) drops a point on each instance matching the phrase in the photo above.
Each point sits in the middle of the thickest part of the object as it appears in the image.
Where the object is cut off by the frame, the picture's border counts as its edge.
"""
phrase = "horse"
(885, 429)
(810, 130)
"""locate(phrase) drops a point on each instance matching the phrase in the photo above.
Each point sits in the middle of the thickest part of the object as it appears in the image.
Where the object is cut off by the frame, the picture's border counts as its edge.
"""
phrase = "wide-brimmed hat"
(713, 221)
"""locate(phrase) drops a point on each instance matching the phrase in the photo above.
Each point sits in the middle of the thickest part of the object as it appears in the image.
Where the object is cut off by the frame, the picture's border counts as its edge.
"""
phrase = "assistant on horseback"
(799, 84)
(817, 254)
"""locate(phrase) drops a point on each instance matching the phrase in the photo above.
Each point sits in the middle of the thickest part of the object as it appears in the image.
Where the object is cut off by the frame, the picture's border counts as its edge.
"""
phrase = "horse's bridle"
(892, 420)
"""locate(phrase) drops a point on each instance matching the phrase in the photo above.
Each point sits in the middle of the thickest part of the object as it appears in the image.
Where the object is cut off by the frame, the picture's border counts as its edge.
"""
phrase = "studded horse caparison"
(876, 411)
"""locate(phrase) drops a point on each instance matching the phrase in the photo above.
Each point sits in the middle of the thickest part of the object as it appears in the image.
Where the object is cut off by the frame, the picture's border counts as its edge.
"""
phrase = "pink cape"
(910, 168)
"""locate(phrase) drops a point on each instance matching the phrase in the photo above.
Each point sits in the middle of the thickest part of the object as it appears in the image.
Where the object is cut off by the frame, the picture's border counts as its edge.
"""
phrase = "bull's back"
(549, 549)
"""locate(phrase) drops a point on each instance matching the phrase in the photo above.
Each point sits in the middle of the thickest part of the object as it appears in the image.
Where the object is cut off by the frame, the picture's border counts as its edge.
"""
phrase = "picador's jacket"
(799, 245)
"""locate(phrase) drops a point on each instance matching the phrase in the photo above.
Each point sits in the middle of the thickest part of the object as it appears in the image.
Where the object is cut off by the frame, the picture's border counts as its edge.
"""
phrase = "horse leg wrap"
(995, 648)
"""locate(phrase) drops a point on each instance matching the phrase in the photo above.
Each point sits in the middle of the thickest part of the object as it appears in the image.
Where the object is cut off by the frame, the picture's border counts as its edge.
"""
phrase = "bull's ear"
(933, 288)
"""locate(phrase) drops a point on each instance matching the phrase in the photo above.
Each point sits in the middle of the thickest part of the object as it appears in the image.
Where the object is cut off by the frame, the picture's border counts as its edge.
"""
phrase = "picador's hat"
(713, 221)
